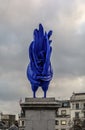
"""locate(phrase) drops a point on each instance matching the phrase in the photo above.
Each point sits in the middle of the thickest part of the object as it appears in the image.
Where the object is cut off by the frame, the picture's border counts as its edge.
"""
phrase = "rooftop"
(79, 93)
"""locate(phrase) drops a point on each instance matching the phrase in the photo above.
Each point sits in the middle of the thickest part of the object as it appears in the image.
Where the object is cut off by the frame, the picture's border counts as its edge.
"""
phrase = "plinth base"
(39, 113)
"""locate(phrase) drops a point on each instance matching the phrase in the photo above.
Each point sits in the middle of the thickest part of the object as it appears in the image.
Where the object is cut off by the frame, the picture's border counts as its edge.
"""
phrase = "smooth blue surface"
(39, 70)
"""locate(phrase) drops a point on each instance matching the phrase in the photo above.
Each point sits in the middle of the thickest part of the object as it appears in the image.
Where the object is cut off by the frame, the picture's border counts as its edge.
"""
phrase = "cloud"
(17, 22)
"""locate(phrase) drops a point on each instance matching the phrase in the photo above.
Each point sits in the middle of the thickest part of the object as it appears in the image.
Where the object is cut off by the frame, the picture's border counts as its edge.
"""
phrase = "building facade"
(22, 120)
(77, 103)
(8, 119)
(63, 116)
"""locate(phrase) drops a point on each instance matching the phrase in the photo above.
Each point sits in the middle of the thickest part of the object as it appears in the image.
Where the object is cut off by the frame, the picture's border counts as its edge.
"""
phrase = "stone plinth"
(39, 113)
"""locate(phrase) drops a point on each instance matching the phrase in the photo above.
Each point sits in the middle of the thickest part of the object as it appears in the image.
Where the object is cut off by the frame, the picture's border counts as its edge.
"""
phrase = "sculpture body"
(39, 70)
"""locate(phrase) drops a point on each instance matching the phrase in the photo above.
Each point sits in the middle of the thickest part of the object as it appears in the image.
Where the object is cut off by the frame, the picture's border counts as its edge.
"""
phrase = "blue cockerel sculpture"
(39, 70)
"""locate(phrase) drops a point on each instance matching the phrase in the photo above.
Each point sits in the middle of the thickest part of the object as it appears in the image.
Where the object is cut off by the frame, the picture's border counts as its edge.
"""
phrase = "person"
(14, 126)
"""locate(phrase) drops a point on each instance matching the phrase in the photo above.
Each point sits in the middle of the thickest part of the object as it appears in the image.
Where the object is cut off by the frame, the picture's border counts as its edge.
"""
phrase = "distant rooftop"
(79, 93)
(64, 103)
(77, 96)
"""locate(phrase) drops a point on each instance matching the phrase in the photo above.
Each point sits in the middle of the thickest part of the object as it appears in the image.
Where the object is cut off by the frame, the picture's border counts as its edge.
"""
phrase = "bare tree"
(78, 124)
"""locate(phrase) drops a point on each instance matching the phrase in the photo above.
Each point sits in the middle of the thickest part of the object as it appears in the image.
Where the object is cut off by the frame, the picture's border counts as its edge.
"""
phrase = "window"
(73, 106)
(84, 105)
(76, 114)
(84, 114)
(77, 105)
(56, 122)
(56, 113)
(63, 122)
(65, 104)
(22, 123)
(63, 112)
(83, 123)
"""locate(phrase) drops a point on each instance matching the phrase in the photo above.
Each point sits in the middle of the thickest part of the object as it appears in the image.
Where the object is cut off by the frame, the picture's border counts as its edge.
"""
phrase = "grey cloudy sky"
(18, 18)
